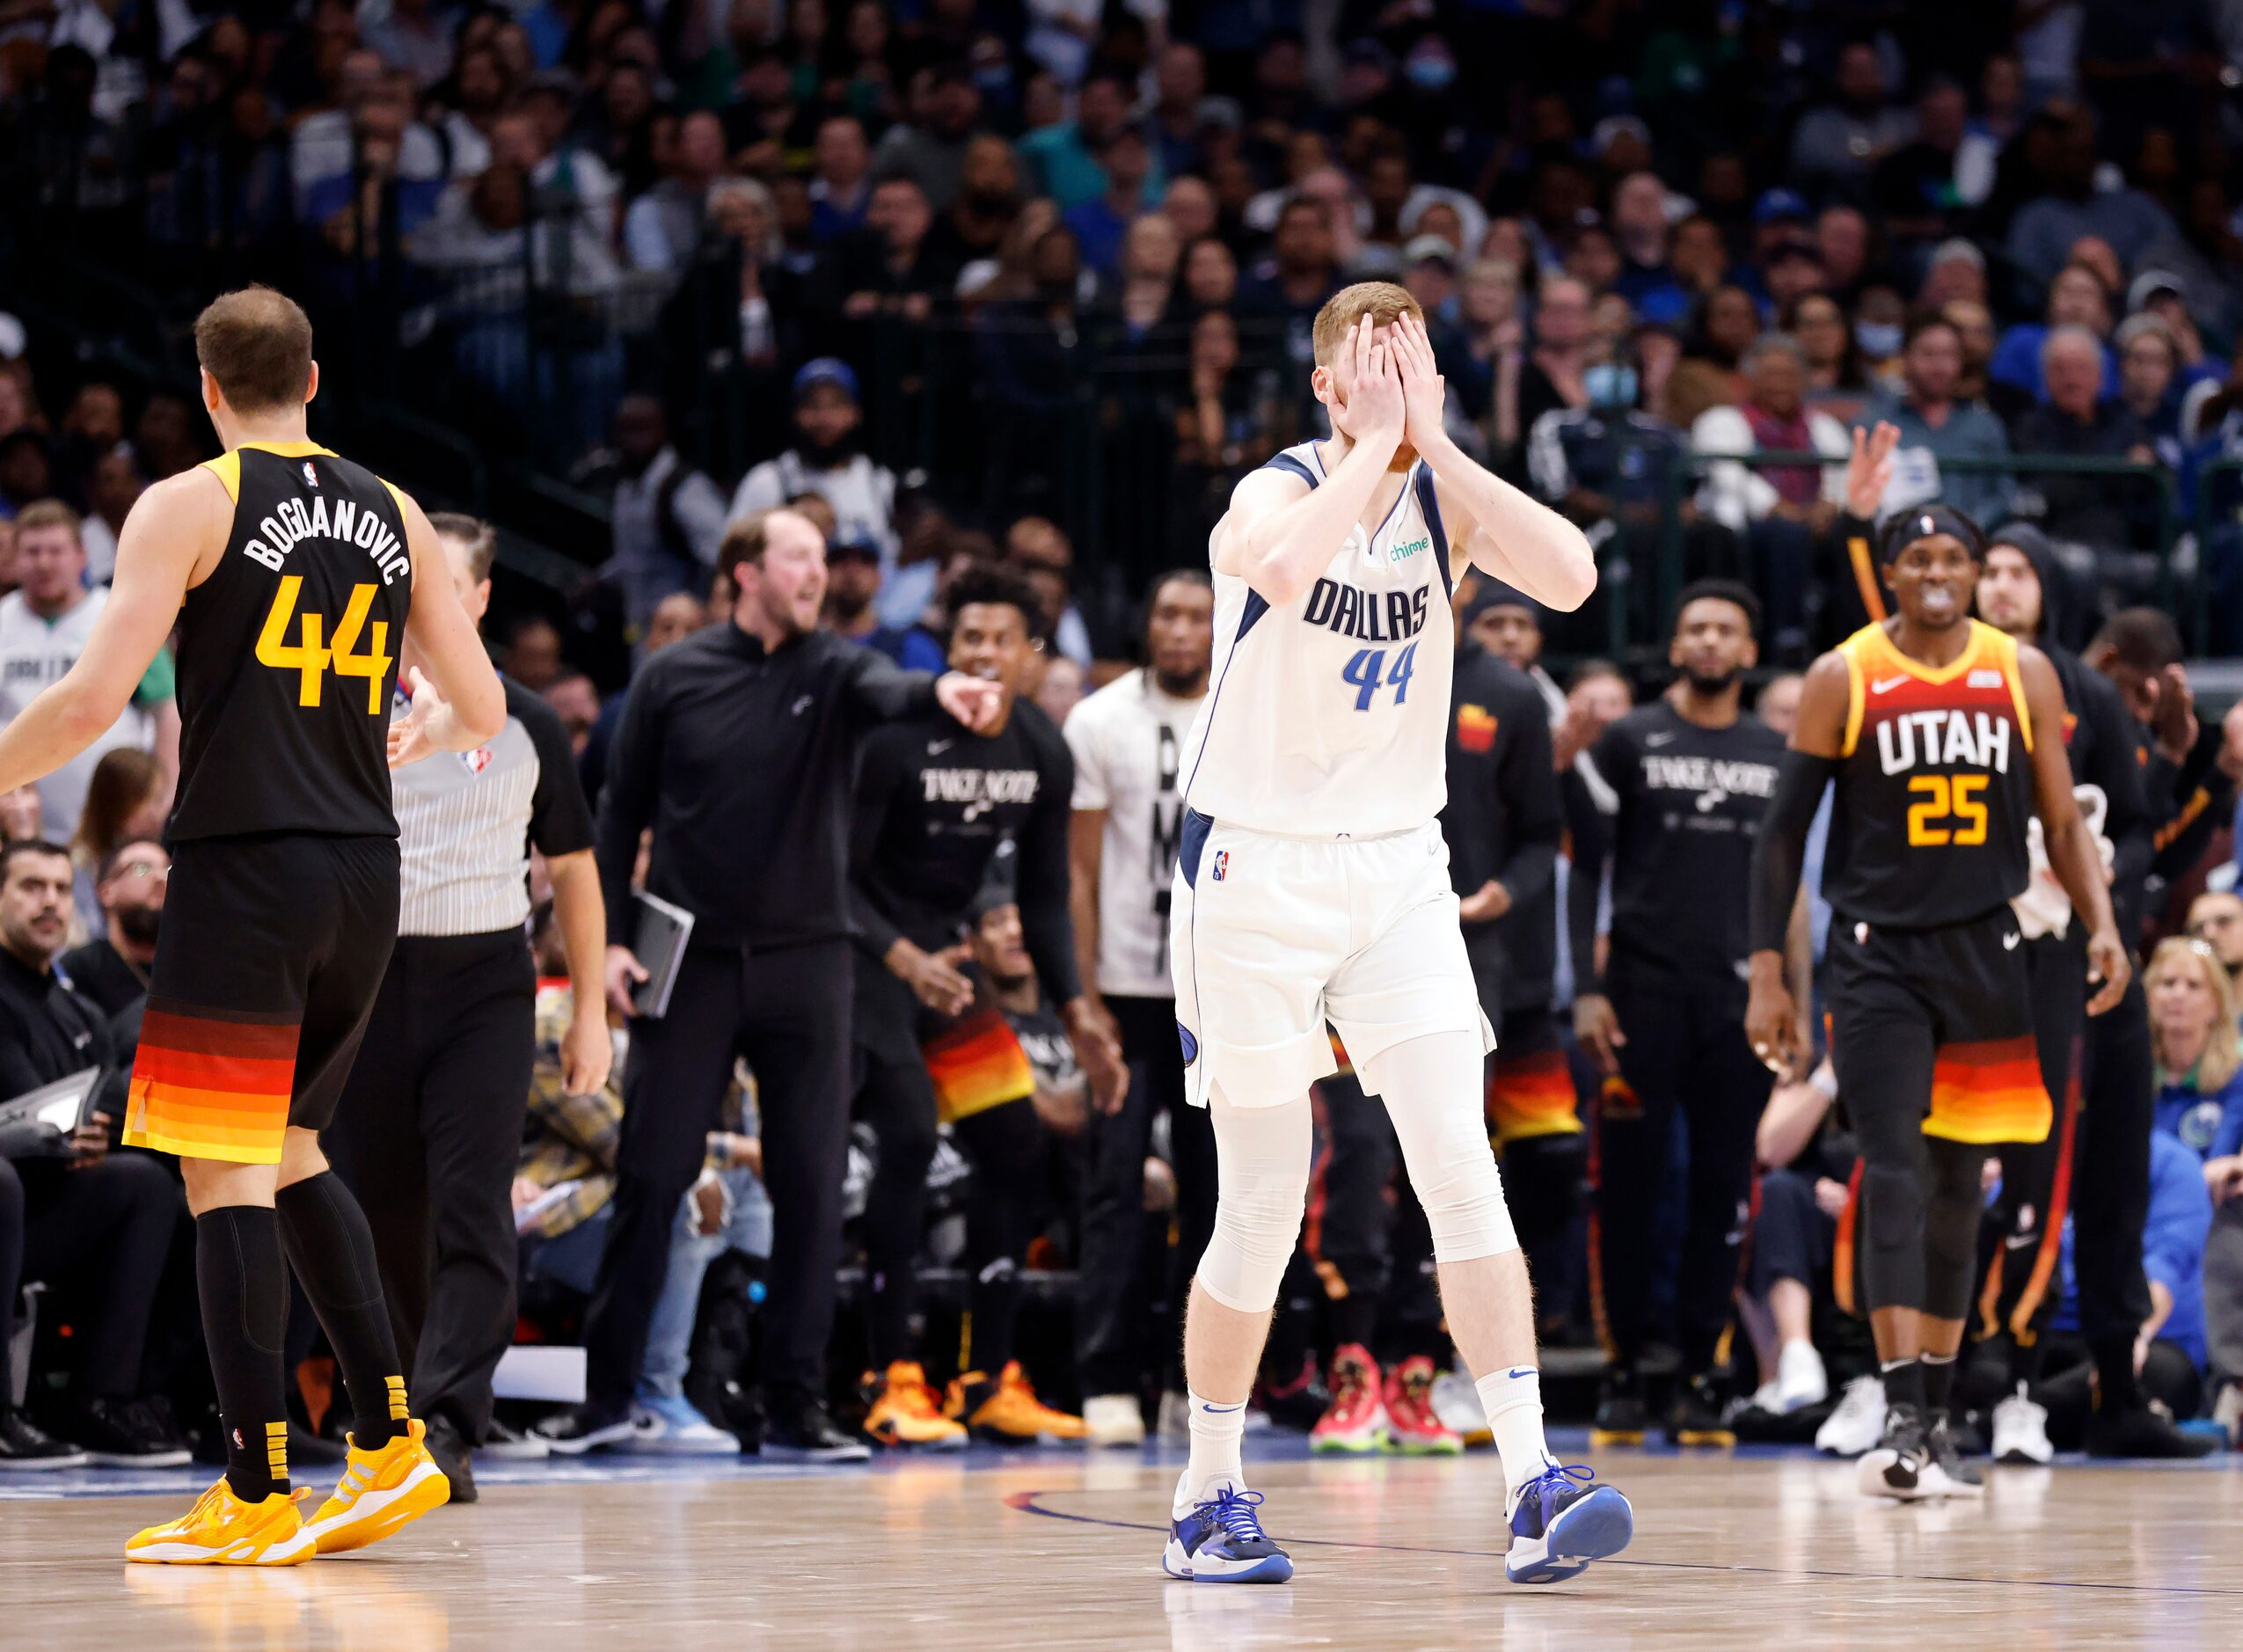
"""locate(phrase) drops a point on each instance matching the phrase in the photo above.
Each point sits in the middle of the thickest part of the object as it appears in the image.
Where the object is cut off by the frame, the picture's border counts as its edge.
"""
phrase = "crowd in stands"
(883, 265)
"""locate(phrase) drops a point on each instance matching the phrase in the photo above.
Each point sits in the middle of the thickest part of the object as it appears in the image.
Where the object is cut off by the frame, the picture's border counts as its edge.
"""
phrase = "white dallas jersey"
(1128, 744)
(35, 652)
(1329, 716)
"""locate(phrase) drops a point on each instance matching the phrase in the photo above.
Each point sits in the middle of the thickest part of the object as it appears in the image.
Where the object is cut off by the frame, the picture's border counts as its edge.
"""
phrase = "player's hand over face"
(971, 700)
(1870, 470)
(1374, 414)
(1424, 392)
(2108, 969)
(1099, 1053)
(1598, 1029)
(586, 1053)
(1771, 1026)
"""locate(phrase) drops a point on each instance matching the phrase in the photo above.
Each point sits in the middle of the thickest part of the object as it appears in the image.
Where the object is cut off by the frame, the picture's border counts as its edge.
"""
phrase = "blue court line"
(1024, 1503)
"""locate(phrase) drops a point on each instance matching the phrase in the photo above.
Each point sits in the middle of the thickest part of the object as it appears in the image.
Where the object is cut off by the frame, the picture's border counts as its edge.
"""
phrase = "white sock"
(1216, 1431)
(1513, 1400)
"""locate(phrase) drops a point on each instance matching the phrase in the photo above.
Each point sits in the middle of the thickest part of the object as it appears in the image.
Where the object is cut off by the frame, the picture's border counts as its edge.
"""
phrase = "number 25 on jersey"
(311, 658)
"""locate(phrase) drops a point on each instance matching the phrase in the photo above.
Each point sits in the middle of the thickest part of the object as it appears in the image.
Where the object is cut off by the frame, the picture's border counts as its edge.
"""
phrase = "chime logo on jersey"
(1978, 740)
(1222, 864)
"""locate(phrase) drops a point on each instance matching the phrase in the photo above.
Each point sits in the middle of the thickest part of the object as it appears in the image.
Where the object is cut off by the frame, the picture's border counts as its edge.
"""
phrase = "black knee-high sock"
(331, 1250)
(243, 1287)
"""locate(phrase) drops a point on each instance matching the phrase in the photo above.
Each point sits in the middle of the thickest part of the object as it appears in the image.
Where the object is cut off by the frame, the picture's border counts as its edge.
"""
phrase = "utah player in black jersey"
(1943, 737)
(294, 577)
(1693, 776)
(935, 802)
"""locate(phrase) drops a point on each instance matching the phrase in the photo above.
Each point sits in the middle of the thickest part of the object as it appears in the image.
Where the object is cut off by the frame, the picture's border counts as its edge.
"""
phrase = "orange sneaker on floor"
(905, 1411)
(379, 1492)
(222, 1530)
(1007, 1410)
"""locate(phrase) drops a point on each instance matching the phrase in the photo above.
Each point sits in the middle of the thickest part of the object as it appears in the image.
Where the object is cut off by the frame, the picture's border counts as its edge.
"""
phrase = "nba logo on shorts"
(1222, 864)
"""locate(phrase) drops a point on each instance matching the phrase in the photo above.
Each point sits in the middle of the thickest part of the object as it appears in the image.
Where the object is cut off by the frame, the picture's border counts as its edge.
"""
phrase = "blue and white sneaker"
(673, 1425)
(1560, 1523)
(1221, 1541)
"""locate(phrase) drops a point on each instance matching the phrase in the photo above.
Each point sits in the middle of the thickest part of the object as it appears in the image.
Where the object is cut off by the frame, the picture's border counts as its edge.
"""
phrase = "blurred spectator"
(27, 470)
(2149, 383)
(2076, 298)
(887, 271)
(1956, 269)
(1919, 189)
(1700, 256)
(2070, 204)
(481, 85)
(1936, 422)
(1835, 382)
(92, 425)
(1101, 223)
(2216, 919)
(45, 624)
(853, 586)
(930, 146)
(1144, 284)
(668, 518)
(166, 438)
(1838, 142)
(828, 460)
(532, 656)
(664, 224)
(2079, 422)
(1061, 689)
(127, 800)
(575, 700)
(1063, 157)
(115, 486)
(840, 189)
(94, 1227)
(1039, 548)
(972, 232)
(2193, 1039)
(1843, 242)
(111, 970)
(1302, 271)
(1224, 427)
(1781, 510)
(1639, 228)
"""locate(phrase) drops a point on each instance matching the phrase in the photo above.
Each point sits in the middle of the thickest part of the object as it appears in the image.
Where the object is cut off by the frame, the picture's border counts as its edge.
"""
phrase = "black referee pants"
(786, 1012)
(1113, 1292)
(427, 1134)
(1686, 1051)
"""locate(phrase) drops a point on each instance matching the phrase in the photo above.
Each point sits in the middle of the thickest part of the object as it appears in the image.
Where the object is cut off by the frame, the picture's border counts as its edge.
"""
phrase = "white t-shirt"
(35, 652)
(1128, 739)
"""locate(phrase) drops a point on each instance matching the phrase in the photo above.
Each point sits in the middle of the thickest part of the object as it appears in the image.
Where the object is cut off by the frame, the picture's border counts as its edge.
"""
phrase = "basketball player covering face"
(292, 577)
(1942, 737)
(1312, 885)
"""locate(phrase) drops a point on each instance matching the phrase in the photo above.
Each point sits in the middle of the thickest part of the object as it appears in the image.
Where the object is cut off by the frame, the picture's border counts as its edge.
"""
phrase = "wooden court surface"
(1055, 1551)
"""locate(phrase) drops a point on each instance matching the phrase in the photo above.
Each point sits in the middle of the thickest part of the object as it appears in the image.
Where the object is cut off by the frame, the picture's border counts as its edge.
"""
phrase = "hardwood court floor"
(1049, 1550)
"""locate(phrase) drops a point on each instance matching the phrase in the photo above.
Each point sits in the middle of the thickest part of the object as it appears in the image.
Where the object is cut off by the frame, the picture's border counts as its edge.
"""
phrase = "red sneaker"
(1414, 1428)
(1355, 1422)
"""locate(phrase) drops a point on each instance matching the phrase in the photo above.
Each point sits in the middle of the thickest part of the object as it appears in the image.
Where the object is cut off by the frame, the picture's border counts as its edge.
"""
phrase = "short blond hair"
(48, 512)
(1384, 302)
(2223, 1052)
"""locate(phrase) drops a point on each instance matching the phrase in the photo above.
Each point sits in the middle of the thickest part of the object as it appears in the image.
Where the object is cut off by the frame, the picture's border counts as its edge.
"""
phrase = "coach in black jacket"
(737, 747)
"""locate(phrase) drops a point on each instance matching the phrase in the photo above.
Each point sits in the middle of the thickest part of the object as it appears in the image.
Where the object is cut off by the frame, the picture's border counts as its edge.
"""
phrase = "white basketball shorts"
(1271, 937)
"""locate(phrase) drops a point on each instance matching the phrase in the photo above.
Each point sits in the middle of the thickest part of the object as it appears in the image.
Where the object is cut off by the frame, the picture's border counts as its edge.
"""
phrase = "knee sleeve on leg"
(1951, 1215)
(1892, 1219)
(1263, 1166)
(1432, 1088)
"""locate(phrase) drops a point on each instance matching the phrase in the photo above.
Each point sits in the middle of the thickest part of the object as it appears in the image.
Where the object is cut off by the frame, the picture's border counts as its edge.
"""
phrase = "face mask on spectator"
(1610, 385)
(1879, 339)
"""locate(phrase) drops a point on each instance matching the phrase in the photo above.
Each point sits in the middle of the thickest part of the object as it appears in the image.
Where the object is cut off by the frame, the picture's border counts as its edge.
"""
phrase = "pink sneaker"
(1414, 1428)
(1355, 1422)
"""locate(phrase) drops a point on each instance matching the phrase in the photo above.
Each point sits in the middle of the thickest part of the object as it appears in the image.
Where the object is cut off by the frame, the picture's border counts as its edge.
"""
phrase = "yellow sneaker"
(379, 1492)
(904, 1411)
(222, 1530)
(1008, 1408)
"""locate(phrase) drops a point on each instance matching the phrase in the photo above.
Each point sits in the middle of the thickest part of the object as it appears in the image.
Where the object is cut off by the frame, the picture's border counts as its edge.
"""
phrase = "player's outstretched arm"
(1502, 532)
(2073, 854)
(170, 528)
(1770, 1017)
(468, 707)
(1280, 533)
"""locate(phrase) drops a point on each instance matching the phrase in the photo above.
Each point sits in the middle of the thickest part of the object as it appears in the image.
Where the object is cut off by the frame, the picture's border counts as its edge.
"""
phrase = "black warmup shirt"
(1690, 803)
(100, 973)
(741, 762)
(933, 802)
(46, 1031)
(288, 651)
(1504, 821)
(2103, 742)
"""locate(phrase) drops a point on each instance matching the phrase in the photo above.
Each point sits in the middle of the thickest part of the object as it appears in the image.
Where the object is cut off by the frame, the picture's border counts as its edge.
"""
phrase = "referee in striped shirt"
(430, 1125)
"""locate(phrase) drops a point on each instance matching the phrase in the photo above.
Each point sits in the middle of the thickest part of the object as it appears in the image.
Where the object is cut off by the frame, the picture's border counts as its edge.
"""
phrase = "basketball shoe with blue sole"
(1561, 1522)
(1221, 1541)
